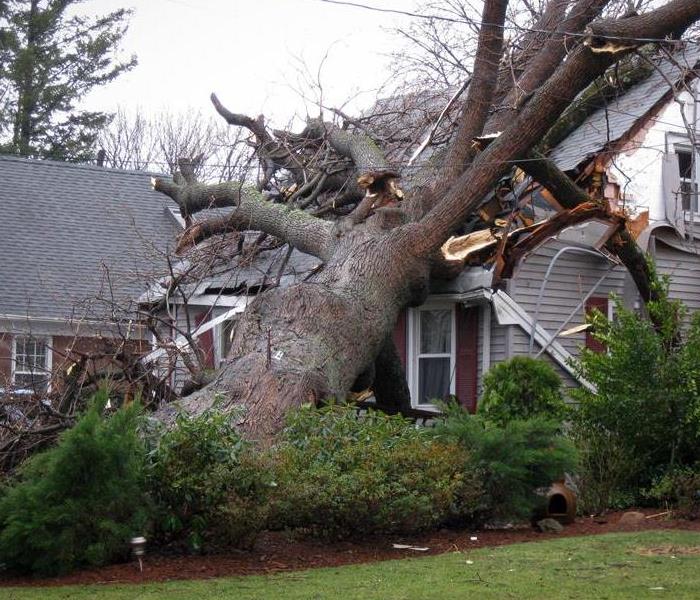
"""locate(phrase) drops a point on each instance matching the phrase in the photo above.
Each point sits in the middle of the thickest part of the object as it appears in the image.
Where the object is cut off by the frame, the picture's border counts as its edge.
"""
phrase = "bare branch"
(251, 211)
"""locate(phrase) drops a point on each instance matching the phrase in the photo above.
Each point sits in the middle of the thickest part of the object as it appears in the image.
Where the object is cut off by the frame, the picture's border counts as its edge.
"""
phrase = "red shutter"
(401, 337)
(466, 370)
(206, 340)
(601, 303)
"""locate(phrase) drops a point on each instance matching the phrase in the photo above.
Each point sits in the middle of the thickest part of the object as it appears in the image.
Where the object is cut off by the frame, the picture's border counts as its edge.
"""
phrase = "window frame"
(693, 203)
(679, 143)
(48, 363)
(414, 354)
(219, 329)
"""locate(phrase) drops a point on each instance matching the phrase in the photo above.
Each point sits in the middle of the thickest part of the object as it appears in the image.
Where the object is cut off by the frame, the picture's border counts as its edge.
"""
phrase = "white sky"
(248, 52)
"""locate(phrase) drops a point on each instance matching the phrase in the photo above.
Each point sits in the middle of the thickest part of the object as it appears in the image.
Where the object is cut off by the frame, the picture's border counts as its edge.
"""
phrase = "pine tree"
(49, 60)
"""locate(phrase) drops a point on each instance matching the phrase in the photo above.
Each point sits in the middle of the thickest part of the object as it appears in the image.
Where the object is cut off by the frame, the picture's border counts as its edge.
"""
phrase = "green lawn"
(640, 565)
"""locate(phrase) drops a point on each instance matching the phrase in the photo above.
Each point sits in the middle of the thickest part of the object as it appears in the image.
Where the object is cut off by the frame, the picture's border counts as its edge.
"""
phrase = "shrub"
(515, 459)
(648, 394)
(679, 490)
(338, 474)
(80, 502)
(604, 467)
(520, 388)
(208, 489)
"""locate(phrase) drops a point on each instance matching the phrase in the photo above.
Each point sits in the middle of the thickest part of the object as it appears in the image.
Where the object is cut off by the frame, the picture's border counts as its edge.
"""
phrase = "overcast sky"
(249, 52)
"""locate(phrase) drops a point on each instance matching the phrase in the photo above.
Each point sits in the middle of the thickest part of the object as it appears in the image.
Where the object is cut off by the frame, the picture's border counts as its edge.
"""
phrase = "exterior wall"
(5, 360)
(520, 342)
(496, 344)
(63, 350)
(638, 170)
(684, 270)
(570, 280)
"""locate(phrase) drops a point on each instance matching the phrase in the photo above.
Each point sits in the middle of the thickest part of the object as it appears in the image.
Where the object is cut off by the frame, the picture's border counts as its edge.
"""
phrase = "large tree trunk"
(310, 342)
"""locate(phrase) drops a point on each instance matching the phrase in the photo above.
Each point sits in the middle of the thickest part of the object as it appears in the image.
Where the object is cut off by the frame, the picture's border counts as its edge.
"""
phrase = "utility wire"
(498, 25)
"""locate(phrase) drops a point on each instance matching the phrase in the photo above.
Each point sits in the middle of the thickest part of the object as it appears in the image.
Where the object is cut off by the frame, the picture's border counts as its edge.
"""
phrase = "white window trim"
(48, 342)
(218, 341)
(687, 148)
(414, 350)
(677, 142)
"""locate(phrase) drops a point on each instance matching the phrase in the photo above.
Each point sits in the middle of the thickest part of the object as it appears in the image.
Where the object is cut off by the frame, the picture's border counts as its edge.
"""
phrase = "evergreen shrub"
(645, 412)
(79, 503)
(520, 388)
(209, 489)
(516, 459)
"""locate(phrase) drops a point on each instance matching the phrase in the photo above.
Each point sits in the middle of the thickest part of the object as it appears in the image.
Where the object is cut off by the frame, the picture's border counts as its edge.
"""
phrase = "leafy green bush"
(80, 502)
(208, 489)
(679, 490)
(515, 459)
(648, 395)
(520, 388)
(338, 474)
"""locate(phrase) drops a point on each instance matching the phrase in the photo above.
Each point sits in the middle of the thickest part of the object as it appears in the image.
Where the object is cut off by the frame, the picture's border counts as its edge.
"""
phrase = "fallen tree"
(330, 192)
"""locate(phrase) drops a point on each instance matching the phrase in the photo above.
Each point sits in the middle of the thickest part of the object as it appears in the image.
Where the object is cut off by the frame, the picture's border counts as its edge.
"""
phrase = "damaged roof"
(223, 267)
(612, 122)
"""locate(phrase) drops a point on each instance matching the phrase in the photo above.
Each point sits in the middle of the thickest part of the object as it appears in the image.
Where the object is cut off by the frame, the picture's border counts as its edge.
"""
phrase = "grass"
(623, 565)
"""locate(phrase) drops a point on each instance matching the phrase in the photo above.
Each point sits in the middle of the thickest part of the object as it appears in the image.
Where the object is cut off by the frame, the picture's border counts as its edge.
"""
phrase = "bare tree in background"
(331, 191)
(157, 142)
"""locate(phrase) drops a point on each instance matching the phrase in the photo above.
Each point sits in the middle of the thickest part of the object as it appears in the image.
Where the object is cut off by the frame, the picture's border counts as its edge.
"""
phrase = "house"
(79, 244)
(636, 152)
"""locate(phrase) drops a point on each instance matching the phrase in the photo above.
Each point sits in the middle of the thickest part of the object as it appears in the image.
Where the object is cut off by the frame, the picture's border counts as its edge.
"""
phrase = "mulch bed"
(276, 552)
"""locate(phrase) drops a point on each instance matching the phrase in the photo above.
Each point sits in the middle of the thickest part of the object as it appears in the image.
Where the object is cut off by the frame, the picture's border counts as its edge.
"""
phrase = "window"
(32, 363)
(688, 189)
(223, 335)
(432, 360)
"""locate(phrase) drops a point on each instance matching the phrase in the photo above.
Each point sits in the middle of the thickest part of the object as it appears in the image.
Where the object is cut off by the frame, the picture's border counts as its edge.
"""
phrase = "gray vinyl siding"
(499, 351)
(572, 277)
(684, 270)
(483, 309)
(520, 343)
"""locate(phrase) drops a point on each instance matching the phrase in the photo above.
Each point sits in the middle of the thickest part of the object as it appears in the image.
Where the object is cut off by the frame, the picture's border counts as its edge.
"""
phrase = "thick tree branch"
(545, 62)
(537, 116)
(359, 147)
(528, 47)
(271, 151)
(481, 89)
(569, 195)
(251, 211)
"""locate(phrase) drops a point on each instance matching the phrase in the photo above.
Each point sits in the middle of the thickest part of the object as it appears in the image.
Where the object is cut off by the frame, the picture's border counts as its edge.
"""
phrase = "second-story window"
(688, 188)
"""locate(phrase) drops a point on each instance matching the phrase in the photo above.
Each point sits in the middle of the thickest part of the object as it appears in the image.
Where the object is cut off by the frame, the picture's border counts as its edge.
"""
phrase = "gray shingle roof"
(264, 269)
(217, 267)
(610, 123)
(67, 231)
